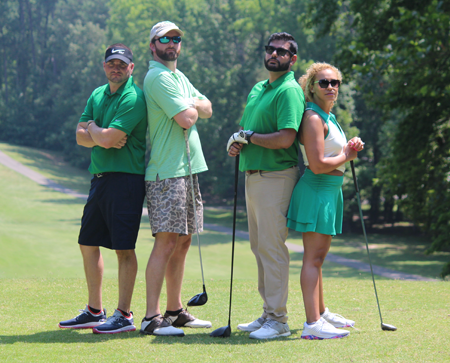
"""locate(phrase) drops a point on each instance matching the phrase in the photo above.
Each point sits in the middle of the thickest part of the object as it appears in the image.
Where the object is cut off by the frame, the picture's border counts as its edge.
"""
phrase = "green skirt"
(317, 204)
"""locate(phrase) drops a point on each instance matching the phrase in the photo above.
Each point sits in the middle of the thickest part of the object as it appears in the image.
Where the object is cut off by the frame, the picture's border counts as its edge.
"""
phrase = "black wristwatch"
(249, 135)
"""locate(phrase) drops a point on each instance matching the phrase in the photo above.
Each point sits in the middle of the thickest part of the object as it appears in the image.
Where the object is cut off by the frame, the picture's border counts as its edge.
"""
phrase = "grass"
(31, 309)
(42, 282)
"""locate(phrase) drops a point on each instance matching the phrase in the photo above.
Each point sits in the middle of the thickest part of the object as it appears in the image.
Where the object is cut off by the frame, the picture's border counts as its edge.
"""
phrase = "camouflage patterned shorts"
(170, 208)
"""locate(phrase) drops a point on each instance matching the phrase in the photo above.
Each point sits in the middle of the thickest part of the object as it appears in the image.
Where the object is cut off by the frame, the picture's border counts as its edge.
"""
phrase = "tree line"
(394, 55)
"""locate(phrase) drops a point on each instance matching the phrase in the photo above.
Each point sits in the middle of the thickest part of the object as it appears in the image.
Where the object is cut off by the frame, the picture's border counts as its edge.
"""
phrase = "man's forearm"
(83, 136)
(277, 140)
(204, 108)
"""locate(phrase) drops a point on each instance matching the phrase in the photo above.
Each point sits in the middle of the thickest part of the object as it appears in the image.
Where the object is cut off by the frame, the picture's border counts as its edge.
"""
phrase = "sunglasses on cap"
(280, 51)
(166, 40)
(323, 83)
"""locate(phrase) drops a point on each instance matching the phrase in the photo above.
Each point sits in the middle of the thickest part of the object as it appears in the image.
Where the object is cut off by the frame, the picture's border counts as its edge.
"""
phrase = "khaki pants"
(267, 196)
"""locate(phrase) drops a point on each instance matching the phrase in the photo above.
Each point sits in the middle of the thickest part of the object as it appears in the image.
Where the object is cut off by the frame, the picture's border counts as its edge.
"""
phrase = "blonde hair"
(307, 80)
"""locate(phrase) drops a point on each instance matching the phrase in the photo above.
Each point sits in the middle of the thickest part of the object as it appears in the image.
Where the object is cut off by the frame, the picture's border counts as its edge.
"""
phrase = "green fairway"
(31, 309)
(42, 283)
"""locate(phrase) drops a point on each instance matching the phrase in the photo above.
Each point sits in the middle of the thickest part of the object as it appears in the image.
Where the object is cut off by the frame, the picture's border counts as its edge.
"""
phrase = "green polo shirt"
(124, 110)
(167, 94)
(272, 107)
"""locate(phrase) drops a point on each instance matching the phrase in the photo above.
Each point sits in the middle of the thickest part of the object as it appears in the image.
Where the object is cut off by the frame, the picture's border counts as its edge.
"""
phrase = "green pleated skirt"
(317, 204)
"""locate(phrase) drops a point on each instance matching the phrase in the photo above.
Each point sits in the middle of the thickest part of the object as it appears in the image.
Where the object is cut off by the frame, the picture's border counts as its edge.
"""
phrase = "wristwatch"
(249, 135)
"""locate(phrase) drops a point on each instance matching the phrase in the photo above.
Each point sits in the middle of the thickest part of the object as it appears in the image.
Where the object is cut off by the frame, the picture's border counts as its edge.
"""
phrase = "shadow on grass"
(70, 336)
(236, 338)
(64, 336)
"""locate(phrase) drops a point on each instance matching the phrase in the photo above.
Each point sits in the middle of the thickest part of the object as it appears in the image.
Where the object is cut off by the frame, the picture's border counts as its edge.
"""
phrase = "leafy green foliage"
(400, 51)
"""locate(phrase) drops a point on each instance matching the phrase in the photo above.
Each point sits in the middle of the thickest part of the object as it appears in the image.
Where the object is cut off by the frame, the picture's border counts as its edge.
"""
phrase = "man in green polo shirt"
(269, 157)
(173, 105)
(113, 125)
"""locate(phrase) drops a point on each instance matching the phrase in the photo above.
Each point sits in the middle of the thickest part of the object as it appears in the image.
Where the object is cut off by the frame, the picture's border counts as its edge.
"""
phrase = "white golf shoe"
(322, 329)
(271, 329)
(338, 321)
(253, 326)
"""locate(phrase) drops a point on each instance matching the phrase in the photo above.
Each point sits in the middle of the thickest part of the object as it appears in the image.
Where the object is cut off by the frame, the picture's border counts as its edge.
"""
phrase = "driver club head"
(388, 327)
(223, 332)
(198, 300)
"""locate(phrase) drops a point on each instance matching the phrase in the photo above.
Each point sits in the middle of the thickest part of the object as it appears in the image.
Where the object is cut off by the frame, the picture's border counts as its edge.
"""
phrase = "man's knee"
(125, 255)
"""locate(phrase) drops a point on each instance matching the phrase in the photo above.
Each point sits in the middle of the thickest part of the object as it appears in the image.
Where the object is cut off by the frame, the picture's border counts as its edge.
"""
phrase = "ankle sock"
(152, 317)
(125, 314)
(174, 313)
(94, 311)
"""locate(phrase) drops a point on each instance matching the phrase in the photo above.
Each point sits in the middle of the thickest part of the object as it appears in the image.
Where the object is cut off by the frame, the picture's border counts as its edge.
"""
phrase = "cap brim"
(120, 57)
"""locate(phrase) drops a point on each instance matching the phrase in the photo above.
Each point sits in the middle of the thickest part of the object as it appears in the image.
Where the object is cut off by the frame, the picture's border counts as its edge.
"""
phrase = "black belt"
(250, 172)
(101, 175)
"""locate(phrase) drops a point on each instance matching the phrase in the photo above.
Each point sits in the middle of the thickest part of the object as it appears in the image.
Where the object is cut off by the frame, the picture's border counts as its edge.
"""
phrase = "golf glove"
(242, 137)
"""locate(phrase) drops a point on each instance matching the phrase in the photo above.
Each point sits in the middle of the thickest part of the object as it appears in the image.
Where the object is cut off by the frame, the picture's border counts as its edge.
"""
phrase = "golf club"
(225, 331)
(202, 298)
(384, 326)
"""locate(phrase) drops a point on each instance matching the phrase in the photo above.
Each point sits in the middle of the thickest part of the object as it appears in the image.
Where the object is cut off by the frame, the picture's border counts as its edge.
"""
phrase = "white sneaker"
(338, 321)
(271, 329)
(253, 326)
(322, 329)
(161, 327)
(186, 319)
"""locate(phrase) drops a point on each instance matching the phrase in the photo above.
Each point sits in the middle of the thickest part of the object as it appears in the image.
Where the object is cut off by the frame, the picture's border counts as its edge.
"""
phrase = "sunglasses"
(166, 40)
(324, 83)
(280, 51)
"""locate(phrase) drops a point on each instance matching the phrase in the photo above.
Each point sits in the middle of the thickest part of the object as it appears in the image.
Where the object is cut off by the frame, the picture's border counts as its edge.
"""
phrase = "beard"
(279, 67)
(168, 57)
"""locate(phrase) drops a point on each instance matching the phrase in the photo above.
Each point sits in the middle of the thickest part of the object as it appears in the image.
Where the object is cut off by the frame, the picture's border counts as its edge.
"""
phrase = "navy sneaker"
(117, 323)
(87, 319)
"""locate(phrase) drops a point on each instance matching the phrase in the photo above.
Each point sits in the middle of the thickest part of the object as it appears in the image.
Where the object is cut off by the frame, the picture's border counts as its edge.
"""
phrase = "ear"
(293, 59)
(152, 47)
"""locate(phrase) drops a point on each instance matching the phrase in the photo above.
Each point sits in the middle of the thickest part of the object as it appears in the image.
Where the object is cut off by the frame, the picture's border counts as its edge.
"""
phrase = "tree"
(402, 47)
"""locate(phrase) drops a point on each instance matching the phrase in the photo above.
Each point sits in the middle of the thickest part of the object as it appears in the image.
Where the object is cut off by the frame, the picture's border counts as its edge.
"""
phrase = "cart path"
(358, 265)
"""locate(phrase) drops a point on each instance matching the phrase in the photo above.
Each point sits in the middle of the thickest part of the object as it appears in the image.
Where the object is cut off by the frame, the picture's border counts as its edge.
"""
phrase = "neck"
(171, 65)
(324, 105)
(273, 76)
(113, 87)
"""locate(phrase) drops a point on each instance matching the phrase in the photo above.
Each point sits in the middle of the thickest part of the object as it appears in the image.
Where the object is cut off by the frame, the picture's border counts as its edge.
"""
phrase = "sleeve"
(165, 92)
(129, 113)
(290, 108)
(88, 113)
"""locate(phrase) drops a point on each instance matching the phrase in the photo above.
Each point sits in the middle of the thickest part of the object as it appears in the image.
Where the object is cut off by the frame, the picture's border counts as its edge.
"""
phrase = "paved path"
(381, 271)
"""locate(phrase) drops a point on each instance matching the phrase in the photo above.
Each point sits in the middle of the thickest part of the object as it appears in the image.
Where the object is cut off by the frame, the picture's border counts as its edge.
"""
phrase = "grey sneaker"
(161, 327)
(338, 321)
(253, 326)
(185, 319)
(271, 329)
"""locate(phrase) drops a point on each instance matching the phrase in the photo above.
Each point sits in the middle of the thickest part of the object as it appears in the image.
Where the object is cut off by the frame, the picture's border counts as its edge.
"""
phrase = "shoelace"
(331, 315)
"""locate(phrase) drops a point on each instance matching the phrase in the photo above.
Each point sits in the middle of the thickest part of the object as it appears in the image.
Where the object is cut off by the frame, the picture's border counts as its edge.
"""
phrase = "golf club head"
(223, 332)
(198, 300)
(388, 327)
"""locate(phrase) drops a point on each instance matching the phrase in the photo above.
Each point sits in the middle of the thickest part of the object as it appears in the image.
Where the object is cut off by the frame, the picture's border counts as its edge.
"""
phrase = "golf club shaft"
(365, 235)
(188, 152)
(236, 179)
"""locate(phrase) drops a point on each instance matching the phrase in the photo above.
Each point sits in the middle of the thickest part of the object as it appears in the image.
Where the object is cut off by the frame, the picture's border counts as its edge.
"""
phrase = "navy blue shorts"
(112, 214)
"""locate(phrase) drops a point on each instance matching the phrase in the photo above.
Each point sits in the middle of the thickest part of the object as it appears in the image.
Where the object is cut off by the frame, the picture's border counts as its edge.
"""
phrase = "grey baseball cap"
(162, 28)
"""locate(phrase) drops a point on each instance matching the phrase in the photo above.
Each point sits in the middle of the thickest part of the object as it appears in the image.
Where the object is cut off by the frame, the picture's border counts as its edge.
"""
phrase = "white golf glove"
(241, 137)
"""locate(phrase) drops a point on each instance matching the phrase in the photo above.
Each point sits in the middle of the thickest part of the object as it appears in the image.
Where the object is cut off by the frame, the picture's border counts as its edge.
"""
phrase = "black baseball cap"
(119, 53)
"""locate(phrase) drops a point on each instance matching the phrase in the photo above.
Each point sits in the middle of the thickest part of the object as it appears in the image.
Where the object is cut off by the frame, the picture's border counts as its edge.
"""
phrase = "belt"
(101, 175)
(250, 172)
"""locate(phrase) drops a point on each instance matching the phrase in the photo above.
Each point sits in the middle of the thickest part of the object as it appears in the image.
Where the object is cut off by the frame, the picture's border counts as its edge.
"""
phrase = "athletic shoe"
(338, 321)
(87, 319)
(161, 327)
(185, 319)
(117, 323)
(253, 326)
(271, 329)
(322, 329)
